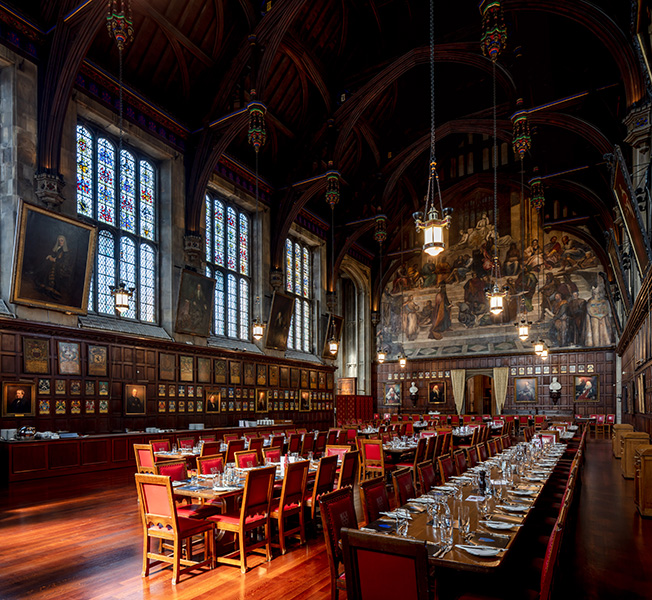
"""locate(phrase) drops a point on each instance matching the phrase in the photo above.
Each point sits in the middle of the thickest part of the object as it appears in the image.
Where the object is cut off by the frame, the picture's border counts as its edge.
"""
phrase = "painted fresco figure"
(441, 312)
(598, 327)
(411, 318)
(512, 264)
(576, 319)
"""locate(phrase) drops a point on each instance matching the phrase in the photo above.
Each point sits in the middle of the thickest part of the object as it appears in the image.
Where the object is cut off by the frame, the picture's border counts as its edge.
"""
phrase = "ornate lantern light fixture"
(494, 32)
(121, 296)
(523, 327)
(431, 221)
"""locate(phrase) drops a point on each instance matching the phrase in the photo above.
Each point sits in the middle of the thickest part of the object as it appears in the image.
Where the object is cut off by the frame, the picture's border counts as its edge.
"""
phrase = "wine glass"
(465, 522)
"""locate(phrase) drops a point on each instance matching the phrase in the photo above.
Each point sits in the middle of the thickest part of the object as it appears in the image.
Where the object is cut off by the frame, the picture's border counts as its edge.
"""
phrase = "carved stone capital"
(639, 128)
(48, 189)
(331, 301)
(193, 251)
(375, 317)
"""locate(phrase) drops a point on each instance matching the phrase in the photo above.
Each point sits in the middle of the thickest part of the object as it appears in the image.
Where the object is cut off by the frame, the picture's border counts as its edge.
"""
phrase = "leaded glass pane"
(306, 273)
(105, 182)
(291, 334)
(147, 199)
(105, 272)
(244, 309)
(84, 172)
(91, 294)
(244, 244)
(127, 192)
(128, 273)
(306, 326)
(297, 269)
(208, 237)
(219, 303)
(297, 325)
(147, 283)
(231, 243)
(288, 266)
(219, 233)
(231, 305)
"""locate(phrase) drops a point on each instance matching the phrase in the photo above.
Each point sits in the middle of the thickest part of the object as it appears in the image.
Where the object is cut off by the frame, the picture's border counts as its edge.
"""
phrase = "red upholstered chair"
(374, 498)
(144, 458)
(253, 514)
(419, 456)
(427, 476)
(324, 482)
(483, 454)
(446, 467)
(337, 450)
(320, 444)
(206, 464)
(308, 444)
(472, 457)
(272, 455)
(460, 461)
(341, 437)
(256, 445)
(368, 555)
(337, 511)
(277, 441)
(160, 445)
(447, 440)
(302, 430)
(291, 503)
(161, 522)
(232, 447)
(332, 437)
(186, 443)
(373, 458)
(455, 420)
(430, 447)
(231, 436)
(351, 434)
(206, 437)
(492, 447)
(403, 486)
(174, 469)
(348, 469)
(210, 447)
(294, 444)
(246, 459)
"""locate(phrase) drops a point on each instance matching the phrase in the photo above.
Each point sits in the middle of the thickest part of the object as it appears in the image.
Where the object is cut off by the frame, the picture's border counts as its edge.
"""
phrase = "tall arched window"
(298, 277)
(227, 261)
(119, 195)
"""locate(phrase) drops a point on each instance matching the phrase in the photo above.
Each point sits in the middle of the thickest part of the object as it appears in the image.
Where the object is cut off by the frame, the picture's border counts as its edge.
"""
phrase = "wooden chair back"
(337, 449)
(206, 464)
(320, 443)
(160, 445)
(366, 555)
(277, 441)
(324, 480)
(374, 498)
(186, 443)
(446, 467)
(232, 447)
(174, 469)
(460, 461)
(210, 447)
(308, 444)
(348, 469)
(403, 486)
(332, 437)
(272, 455)
(373, 457)
(144, 456)
(472, 457)
(246, 459)
(294, 443)
(427, 476)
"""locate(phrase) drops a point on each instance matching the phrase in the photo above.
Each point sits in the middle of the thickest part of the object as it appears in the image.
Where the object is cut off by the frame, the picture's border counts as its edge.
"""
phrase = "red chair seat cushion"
(197, 511)
(233, 518)
(276, 502)
(190, 527)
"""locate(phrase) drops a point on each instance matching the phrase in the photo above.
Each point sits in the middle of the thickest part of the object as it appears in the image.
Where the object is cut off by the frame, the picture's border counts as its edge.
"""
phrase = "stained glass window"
(84, 171)
(120, 197)
(127, 192)
(227, 257)
(298, 284)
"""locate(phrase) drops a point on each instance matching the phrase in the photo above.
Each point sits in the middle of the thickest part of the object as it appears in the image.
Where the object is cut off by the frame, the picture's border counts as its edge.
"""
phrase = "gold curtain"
(458, 379)
(501, 377)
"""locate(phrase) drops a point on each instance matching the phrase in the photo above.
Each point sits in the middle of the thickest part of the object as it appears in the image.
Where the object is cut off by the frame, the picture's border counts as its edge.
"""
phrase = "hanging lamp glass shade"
(121, 296)
(523, 327)
(496, 297)
(538, 347)
(258, 330)
(544, 354)
(402, 361)
(381, 356)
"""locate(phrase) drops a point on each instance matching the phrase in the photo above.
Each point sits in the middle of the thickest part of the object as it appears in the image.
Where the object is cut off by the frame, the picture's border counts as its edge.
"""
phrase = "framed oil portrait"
(98, 360)
(261, 400)
(587, 388)
(304, 400)
(166, 367)
(203, 370)
(392, 394)
(194, 311)
(18, 398)
(235, 372)
(304, 378)
(219, 366)
(437, 391)
(69, 358)
(135, 398)
(525, 389)
(313, 380)
(36, 355)
(249, 374)
(278, 324)
(261, 374)
(273, 375)
(321, 377)
(53, 261)
(294, 378)
(623, 190)
(213, 400)
(333, 330)
(186, 368)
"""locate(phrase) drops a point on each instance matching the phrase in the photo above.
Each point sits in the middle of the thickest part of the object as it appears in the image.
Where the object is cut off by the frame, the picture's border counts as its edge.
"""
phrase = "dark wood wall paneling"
(136, 361)
(603, 361)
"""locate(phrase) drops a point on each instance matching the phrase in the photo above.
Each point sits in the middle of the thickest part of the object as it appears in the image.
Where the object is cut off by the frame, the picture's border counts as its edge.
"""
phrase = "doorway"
(479, 395)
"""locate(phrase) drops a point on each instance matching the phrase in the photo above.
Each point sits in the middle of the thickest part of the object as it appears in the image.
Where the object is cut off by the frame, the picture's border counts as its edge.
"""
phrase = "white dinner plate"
(479, 550)
(515, 509)
(498, 525)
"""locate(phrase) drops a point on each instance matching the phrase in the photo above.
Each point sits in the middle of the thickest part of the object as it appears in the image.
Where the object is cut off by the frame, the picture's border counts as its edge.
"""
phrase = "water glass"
(446, 527)
(465, 522)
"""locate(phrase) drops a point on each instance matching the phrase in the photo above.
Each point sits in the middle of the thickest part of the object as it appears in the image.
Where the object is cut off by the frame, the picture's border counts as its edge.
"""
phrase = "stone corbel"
(48, 188)
(193, 251)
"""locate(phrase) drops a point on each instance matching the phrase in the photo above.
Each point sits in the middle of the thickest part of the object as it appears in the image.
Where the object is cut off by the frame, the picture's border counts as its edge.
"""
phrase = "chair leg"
(243, 553)
(177, 561)
(302, 528)
(268, 539)
(281, 534)
(145, 572)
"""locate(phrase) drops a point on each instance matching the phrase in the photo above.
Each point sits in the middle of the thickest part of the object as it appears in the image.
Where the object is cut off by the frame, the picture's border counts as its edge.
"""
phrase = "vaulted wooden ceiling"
(348, 81)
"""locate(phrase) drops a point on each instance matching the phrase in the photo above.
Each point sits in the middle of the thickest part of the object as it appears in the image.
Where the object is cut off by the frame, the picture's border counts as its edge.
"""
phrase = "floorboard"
(79, 538)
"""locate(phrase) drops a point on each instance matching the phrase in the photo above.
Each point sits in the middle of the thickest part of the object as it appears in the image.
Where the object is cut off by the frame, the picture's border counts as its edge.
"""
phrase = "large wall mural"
(437, 306)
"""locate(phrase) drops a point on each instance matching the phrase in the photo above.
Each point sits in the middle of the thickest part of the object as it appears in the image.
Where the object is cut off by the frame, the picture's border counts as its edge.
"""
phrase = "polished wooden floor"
(79, 538)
